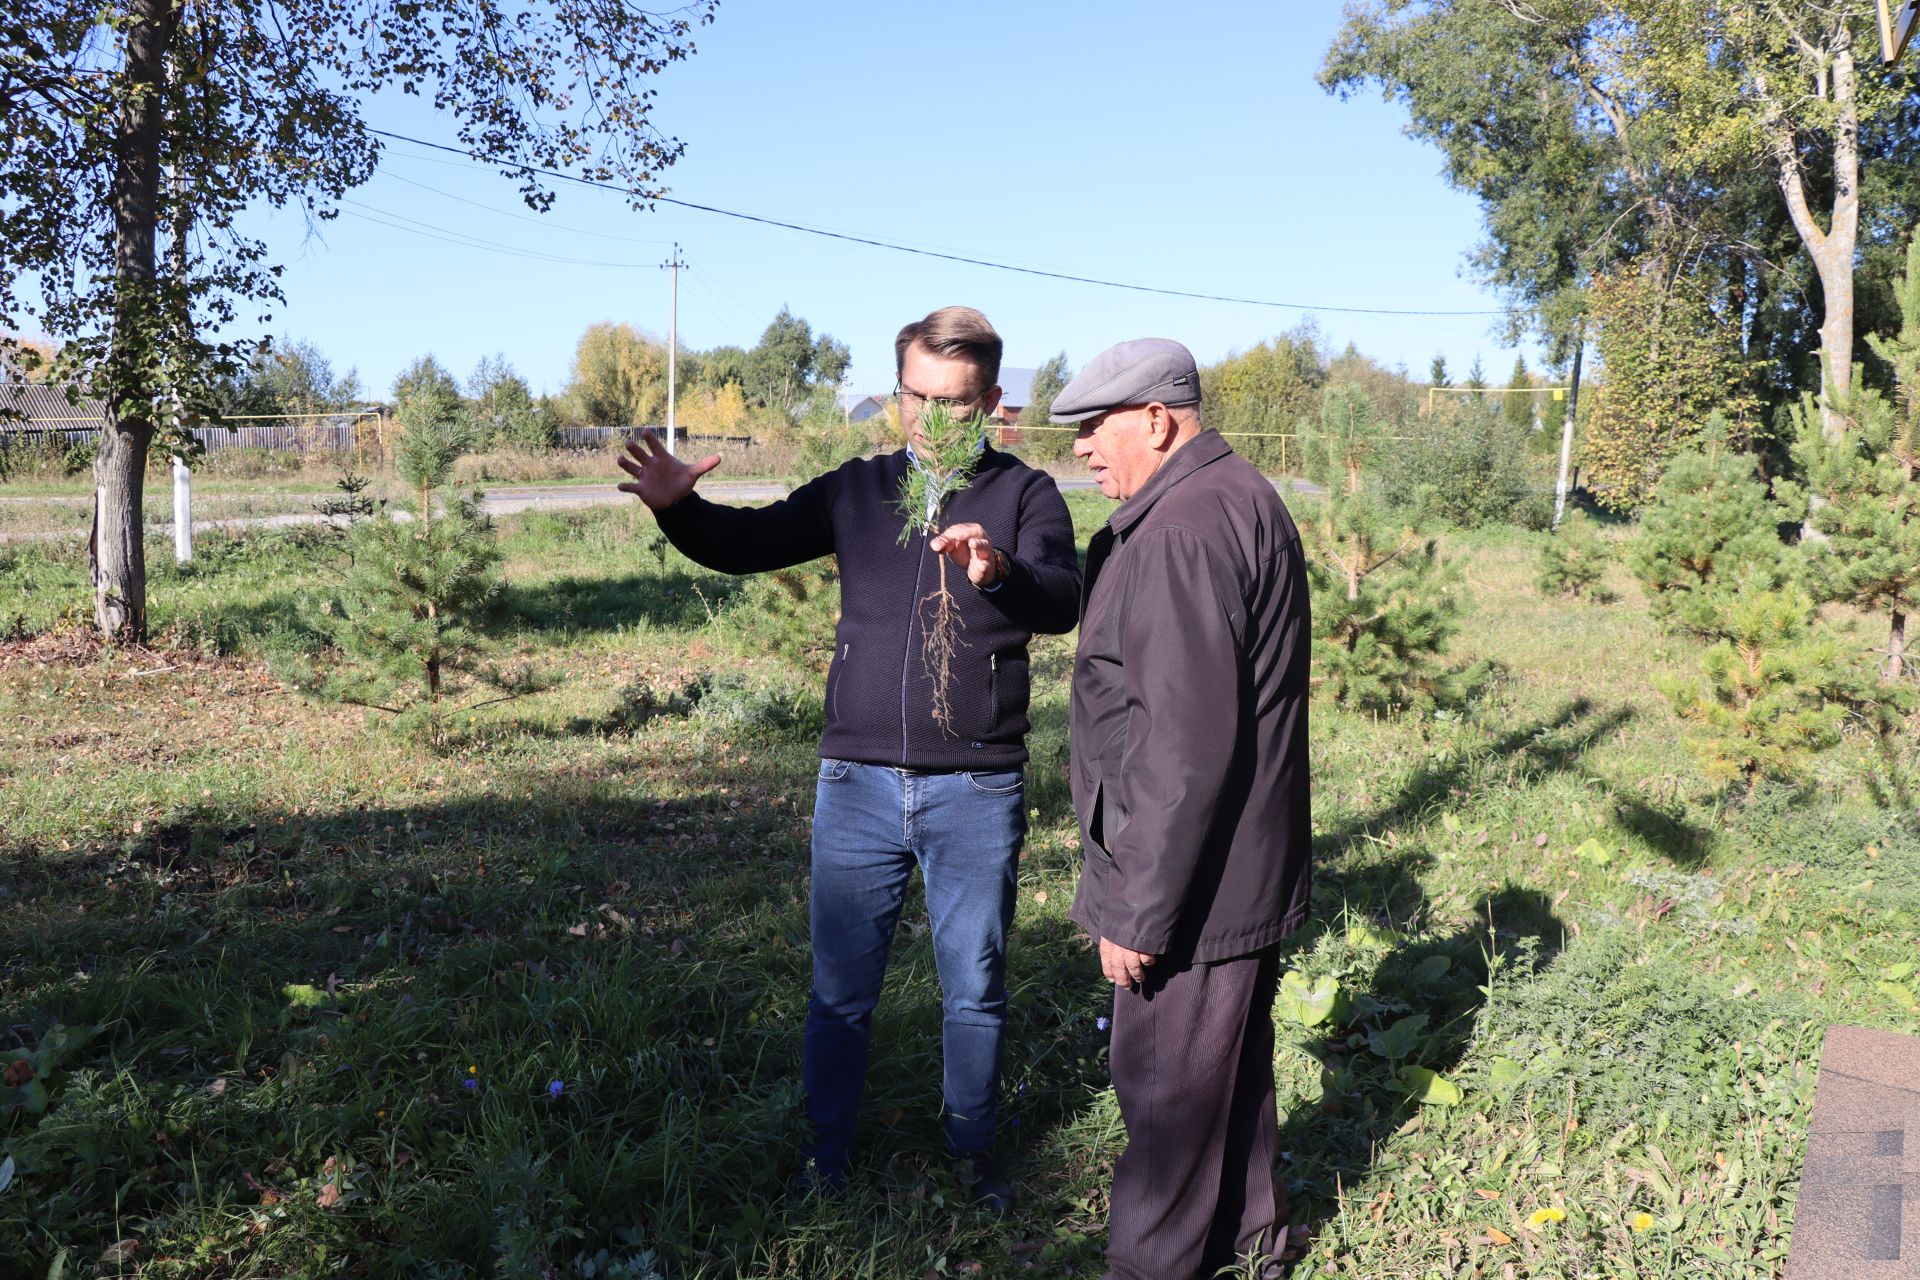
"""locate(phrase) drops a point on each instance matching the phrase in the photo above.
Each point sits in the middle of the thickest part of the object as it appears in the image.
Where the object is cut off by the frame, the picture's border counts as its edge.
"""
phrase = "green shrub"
(1761, 707)
(411, 616)
(1573, 560)
(1463, 464)
(770, 709)
(1710, 531)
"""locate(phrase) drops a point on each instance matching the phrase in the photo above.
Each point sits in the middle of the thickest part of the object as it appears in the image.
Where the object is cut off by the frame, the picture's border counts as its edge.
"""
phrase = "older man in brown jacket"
(1190, 778)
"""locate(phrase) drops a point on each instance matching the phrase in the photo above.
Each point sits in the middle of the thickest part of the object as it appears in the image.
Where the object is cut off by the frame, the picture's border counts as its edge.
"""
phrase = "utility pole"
(672, 267)
(1566, 429)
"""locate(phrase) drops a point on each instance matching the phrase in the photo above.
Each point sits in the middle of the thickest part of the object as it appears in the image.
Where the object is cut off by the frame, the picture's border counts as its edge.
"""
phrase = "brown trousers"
(1192, 1063)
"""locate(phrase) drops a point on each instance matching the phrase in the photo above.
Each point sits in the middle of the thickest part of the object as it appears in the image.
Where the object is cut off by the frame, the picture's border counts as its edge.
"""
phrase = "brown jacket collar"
(1208, 446)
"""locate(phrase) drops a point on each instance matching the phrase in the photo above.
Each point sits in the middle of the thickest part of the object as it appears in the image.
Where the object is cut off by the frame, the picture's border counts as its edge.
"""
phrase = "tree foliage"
(409, 622)
(1466, 464)
(1711, 531)
(503, 409)
(1347, 441)
(1753, 148)
(1573, 559)
(1046, 442)
(619, 377)
(944, 462)
(1867, 482)
(1762, 705)
(291, 378)
(715, 411)
(248, 103)
(1670, 366)
(789, 361)
(1384, 605)
(1517, 405)
(426, 377)
(1267, 392)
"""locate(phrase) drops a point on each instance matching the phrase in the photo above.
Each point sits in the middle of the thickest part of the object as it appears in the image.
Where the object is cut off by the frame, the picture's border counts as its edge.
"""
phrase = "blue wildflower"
(555, 1088)
(1102, 1023)
(470, 1085)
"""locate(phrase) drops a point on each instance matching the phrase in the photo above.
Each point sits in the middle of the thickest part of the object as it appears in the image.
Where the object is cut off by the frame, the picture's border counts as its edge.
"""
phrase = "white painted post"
(182, 511)
(1562, 487)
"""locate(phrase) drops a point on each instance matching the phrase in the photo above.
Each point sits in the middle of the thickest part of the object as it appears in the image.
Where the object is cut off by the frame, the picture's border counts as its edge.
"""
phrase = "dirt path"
(505, 500)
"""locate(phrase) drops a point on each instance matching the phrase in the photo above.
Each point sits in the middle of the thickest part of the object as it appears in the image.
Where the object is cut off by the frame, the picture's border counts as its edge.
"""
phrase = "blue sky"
(1181, 146)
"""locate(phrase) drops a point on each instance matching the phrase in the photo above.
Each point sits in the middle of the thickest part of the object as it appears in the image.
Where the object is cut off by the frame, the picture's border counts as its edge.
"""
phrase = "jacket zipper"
(841, 678)
(906, 655)
(993, 693)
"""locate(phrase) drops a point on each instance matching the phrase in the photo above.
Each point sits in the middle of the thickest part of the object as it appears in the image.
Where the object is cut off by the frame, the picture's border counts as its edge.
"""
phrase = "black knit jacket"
(879, 697)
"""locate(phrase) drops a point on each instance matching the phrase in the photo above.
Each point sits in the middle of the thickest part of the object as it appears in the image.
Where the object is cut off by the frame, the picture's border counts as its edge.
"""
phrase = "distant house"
(867, 407)
(38, 409)
(1016, 393)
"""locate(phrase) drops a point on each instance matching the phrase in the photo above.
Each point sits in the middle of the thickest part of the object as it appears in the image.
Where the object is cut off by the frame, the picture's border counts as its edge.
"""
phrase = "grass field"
(335, 1004)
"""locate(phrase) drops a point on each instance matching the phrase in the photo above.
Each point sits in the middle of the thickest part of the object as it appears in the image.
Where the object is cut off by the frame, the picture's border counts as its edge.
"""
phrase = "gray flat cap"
(1128, 373)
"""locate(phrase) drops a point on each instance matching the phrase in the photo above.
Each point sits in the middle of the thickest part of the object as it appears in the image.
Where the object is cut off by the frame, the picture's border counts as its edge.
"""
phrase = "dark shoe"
(815, 1179)
(983, 1181)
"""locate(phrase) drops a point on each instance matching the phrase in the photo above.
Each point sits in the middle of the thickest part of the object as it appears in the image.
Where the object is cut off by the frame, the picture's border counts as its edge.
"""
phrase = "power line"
(932, 253)
(523, 217)
(433, 232)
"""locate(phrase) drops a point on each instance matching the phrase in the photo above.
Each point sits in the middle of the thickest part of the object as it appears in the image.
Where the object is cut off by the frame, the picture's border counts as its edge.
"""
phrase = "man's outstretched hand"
(659, 478)
(968, 546)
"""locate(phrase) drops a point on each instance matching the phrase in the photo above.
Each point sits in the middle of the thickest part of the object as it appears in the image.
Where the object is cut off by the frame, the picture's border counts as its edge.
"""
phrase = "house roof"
(1016, 387)
(46, 405)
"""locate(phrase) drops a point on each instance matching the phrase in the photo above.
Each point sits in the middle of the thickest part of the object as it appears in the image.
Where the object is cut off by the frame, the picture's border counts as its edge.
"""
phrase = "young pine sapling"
(945, 456)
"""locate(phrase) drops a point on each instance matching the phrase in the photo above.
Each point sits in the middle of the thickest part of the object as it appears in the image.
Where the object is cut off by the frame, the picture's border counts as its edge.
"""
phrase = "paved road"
(505, 500)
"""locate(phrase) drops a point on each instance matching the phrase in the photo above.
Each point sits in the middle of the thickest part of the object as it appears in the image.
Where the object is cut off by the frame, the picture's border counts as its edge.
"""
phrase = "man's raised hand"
(968, 546)
(659, 478)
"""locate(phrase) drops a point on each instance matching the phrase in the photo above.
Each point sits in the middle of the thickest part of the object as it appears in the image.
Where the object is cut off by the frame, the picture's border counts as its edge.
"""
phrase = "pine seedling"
(942, 467)
(1764, 704)
(1572, 559)
(1867, 481)
(1384, 605)
(1710, 531)
(353, 502)
(408, 620)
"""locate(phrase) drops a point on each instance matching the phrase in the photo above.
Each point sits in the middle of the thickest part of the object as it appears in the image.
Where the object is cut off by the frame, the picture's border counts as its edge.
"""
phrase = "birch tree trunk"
(1832, 250)
(116, 557)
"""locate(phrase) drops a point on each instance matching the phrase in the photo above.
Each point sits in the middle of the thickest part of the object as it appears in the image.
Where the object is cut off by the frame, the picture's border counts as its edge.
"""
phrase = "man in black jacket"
(897, 788)
(1190, 778)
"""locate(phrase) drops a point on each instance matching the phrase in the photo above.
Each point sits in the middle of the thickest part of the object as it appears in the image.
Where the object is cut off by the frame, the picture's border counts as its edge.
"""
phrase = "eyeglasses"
(915, 401)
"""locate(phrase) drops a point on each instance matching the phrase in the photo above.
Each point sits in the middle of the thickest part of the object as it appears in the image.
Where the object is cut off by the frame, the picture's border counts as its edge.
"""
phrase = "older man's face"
(1117, 450)
(926, 377)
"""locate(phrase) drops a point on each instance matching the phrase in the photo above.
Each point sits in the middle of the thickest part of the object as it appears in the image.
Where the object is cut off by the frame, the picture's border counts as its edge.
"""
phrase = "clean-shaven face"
(1115, 448)
(925, 376)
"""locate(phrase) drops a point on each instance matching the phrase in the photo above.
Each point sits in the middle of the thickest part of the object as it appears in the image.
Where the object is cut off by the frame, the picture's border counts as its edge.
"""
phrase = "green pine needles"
(1867, 480)
(1384, 605)
(944, 460)
(1711, 530)
(1573, 559)
(408, 625)
(1768, 699)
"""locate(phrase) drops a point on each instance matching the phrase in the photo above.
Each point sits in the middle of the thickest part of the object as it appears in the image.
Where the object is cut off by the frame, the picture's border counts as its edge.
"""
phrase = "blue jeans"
(871, 824)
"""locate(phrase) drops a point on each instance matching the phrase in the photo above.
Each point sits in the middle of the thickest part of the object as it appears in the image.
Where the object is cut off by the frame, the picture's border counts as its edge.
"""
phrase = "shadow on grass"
(383, 999)
(1362, 866)
(1668, 830)
(394, 993)
(584, 603)
(1553, 745)
(1330, 1144)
